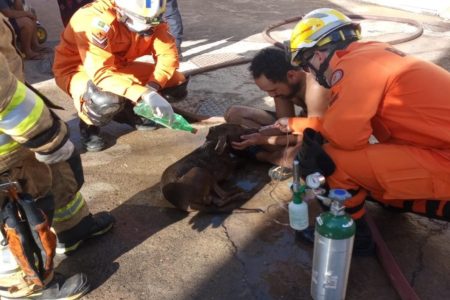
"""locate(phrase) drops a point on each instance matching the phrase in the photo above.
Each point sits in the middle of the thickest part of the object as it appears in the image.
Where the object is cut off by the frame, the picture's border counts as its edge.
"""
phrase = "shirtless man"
(290, 88)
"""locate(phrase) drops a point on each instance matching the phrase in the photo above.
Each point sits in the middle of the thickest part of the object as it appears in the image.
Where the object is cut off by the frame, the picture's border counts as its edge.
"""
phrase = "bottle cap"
(339, 194)
(297, 198)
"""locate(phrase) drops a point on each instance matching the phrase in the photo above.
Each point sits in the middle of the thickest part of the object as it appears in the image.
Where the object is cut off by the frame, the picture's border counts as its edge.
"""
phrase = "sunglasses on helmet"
(298, 58)
(140, 19)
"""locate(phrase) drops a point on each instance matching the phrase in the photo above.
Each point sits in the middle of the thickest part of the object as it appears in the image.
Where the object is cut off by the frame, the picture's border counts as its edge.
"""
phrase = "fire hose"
(266, 34)
(193, 117)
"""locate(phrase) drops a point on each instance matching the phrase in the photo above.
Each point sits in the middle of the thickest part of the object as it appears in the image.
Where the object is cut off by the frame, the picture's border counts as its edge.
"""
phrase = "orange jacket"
(397, 98)
(97, 43)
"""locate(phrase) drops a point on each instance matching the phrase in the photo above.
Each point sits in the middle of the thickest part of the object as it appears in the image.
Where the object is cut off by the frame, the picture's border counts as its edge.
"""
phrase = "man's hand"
(283, 125)
(249, 140)
(159, 106)
(62, 154)
(270, 130)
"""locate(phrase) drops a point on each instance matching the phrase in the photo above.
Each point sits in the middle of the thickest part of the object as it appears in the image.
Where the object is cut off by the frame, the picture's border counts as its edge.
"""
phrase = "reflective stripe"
(22, 113)
(65, 213)
(7, 144)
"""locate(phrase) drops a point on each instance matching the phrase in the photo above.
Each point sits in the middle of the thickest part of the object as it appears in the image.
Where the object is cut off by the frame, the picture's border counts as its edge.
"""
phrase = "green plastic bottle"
(178, 122)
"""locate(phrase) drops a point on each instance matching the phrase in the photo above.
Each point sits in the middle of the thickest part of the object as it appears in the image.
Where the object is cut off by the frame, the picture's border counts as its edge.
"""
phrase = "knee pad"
(100, 106)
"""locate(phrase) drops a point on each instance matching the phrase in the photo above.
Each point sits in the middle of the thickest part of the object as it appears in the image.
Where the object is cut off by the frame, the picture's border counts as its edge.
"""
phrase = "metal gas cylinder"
(333, 245)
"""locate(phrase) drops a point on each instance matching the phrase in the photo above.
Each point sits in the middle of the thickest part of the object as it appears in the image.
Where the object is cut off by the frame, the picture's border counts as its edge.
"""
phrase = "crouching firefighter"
(95, 63)
(40, 179)
(402, 102)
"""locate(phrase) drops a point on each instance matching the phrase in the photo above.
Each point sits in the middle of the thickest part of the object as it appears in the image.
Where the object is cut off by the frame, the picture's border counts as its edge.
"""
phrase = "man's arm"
(261, 139)
(282, 140)
(284, 108)
(317, 98)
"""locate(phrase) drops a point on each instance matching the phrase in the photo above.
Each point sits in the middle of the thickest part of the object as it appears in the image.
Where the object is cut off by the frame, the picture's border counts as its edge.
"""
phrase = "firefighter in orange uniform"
(376, 90)
(95, 64)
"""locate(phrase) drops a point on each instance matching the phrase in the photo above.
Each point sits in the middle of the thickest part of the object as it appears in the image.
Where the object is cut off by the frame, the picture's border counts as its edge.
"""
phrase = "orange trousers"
(76, 83)
(399, 176)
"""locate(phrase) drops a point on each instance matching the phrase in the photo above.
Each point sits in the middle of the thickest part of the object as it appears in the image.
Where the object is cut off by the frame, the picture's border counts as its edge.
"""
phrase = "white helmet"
(141, 15)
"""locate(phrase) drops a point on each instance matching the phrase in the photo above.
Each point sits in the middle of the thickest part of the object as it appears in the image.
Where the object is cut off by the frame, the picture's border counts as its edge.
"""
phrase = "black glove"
(312, 157)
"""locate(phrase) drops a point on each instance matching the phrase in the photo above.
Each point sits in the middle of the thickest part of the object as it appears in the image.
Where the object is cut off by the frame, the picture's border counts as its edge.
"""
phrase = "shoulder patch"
(99, 32)
(336, 76)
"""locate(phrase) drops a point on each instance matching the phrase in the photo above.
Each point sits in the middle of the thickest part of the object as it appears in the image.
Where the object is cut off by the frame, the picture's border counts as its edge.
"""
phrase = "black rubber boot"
(89, 227)
(127, 116)
(176, 93)
(363, 244)
(60, 288)
(143, 124)
(90, 137)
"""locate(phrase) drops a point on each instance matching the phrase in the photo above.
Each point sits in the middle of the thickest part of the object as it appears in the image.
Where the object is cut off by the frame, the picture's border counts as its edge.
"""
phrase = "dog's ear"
(212, 134)
(222, 144)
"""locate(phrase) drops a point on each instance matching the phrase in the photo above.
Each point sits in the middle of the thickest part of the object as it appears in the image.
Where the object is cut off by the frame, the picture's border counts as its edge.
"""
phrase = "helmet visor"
(137, 19)
(298, 57)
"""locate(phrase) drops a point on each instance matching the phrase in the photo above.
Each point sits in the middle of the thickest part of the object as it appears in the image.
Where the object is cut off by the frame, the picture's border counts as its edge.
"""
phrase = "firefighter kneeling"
(375, 90)
(95, 64)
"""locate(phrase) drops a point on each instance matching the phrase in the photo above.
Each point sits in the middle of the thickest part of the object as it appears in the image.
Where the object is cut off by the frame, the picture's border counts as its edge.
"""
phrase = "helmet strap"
(320, 73)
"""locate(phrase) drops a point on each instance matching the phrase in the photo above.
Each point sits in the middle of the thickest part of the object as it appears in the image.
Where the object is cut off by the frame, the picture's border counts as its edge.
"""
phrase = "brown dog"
(197, 181)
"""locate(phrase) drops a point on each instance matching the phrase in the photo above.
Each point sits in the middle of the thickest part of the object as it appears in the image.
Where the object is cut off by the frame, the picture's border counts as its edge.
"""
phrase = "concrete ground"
(157, 252)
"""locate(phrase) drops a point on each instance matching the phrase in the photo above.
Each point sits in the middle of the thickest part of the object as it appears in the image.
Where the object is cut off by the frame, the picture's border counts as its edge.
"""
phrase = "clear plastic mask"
(136, 25)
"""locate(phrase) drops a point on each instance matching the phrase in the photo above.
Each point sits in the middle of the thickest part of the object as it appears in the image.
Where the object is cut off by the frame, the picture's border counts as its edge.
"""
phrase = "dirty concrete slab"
(156, 252)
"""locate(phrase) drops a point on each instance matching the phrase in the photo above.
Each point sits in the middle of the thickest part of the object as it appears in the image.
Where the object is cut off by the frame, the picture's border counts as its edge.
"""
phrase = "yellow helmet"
(315, 29)
(145, 9)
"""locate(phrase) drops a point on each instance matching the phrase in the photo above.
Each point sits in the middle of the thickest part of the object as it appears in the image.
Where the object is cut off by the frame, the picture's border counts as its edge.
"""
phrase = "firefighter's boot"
(89, 227)
(91, 138)
(176, 93)
(364, 244)
(61, 288)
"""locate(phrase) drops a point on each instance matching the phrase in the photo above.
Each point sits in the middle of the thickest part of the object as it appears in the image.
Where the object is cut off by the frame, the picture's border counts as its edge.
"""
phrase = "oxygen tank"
(333, 245)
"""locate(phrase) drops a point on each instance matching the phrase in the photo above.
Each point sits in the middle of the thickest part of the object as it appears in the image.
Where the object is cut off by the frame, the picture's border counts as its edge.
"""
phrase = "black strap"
(354, 209)
(431, 208)
(47, 101)
(446, 211)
